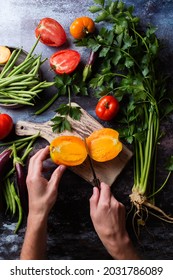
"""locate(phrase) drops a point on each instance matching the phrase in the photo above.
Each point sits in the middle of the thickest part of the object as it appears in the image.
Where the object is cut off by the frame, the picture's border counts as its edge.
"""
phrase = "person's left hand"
(42, 193)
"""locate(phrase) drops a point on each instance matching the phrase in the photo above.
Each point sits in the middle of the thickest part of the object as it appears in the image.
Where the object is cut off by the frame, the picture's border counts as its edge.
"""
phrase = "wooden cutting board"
(106, 172)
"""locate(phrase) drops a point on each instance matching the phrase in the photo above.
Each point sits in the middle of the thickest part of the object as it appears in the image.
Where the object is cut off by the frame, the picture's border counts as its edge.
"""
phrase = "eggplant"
(4, 161)
(22, 187)
(21, 180)
(5, 157)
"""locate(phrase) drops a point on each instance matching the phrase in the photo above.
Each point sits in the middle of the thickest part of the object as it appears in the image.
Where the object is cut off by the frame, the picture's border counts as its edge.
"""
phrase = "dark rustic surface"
(71, 234)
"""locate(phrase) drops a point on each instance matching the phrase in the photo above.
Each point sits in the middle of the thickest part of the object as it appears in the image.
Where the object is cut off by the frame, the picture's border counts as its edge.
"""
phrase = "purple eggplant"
(22, 187)
(4, 161)
(4, 164)
(88, 67)
(21, 180)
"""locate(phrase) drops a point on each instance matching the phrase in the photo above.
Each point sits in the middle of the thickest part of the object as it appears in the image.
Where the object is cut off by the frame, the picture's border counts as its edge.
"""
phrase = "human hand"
(108, 217)
(42, 193)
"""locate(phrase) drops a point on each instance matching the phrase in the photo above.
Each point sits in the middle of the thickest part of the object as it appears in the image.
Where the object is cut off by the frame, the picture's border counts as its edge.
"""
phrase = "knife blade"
(95, 181)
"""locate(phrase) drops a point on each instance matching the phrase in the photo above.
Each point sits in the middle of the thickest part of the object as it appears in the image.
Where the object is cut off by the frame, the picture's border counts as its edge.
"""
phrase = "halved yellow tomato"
(104, 144)
(68, 150)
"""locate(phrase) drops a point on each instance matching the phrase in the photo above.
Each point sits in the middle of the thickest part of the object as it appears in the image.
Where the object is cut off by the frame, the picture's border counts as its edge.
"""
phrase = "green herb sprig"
(130, 69)
(65, 85)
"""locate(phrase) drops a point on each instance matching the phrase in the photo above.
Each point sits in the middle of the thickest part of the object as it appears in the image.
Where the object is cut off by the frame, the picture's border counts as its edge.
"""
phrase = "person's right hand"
(108, 217)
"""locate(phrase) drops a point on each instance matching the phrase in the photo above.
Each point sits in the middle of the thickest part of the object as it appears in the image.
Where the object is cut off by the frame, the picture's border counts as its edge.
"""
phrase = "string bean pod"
(20, 78)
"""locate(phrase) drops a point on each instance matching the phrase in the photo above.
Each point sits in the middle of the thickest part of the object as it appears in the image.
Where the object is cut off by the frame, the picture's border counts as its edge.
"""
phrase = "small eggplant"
(21, 183)
(4, 160)
(4, 164)
(88, 67)
(21, 180)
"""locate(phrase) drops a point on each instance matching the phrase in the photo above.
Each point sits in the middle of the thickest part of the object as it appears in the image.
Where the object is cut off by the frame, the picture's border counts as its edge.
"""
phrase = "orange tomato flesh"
(68, 150)
(104, 144)
(4, 54)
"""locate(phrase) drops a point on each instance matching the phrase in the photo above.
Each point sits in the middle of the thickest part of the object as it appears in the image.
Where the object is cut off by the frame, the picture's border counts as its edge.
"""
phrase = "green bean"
(47, 84)
(14, 101)
(24, 76)
(6, 198)
(20, 140)
(37, 86)
(20, 95)
(18, 92)
(10, 192)
(10, 186)
(22, 83)
(33, 48)
(42, 85)
(9, 196)
(10, 63)
(37, 66)
(9, 199)
(11, 101)
(20, 210)
(14, 88)
(28, 96)
(9, 80)
(27, 82)
(17, 97)
(22, 67)
(47, 105)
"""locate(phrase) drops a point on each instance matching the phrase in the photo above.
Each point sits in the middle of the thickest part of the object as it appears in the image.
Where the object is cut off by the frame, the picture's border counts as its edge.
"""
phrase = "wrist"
(36, 221)
(124, 250)
(34, 247)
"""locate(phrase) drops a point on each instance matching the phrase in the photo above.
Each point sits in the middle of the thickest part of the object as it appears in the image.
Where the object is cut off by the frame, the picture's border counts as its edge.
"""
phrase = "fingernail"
(62, 167)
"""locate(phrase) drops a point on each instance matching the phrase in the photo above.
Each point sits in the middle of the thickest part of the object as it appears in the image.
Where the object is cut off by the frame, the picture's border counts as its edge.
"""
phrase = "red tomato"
(51, 32)
(65, 61)
(6, 125)
(107, 108)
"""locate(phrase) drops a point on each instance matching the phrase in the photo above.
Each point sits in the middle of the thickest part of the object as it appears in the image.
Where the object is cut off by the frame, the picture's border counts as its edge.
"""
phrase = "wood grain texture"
(107, 171)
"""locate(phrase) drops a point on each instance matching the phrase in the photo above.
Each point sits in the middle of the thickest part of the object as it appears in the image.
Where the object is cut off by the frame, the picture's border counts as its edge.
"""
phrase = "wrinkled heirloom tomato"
(51, 32)
(6, 125)
(107, 108)
(82, 26)
(65, 61)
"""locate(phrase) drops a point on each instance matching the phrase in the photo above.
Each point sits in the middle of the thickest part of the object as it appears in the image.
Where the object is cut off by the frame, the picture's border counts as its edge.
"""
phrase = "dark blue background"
(71, 235)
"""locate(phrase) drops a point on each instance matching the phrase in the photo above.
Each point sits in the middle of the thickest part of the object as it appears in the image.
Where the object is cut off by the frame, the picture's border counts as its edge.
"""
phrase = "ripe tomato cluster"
(51, 33)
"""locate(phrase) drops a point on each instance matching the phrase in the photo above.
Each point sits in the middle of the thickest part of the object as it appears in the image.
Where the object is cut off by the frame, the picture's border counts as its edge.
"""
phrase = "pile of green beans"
(13, 202)
(11, 192)
(20, 82)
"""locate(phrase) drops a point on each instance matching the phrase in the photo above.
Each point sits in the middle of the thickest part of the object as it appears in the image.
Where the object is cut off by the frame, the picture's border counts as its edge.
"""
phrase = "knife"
(95, 181)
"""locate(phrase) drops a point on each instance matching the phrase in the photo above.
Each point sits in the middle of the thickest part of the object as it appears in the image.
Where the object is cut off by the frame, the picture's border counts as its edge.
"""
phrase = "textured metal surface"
(71, 234)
